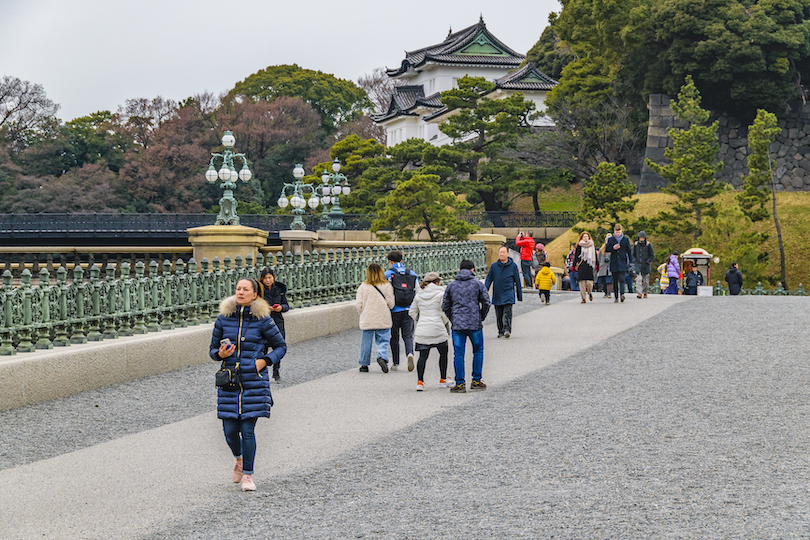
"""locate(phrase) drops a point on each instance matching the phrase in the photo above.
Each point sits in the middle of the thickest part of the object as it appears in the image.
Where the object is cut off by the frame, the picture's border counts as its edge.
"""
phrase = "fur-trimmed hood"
(259, 309)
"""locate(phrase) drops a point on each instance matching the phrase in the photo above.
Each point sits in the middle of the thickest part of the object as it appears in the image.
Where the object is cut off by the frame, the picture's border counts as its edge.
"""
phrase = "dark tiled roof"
(526, 78)
(474, 45)
(405, 99)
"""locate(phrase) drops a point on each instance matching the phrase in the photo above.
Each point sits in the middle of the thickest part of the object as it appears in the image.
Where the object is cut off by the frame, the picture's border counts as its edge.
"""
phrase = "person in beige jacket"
(375, 298)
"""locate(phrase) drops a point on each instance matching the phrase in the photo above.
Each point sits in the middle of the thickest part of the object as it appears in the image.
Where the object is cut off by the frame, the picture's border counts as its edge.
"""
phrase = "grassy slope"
(794, 216)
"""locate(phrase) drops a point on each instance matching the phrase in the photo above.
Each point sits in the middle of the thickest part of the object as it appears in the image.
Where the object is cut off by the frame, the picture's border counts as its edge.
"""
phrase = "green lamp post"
(227, 173)
(334, 185)
(297, 200)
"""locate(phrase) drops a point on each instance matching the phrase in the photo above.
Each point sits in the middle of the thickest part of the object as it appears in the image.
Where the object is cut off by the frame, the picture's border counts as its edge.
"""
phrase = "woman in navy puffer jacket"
(245, 320)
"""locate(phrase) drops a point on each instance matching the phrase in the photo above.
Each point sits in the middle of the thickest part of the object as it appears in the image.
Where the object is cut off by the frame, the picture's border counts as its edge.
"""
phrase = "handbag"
(228, 378)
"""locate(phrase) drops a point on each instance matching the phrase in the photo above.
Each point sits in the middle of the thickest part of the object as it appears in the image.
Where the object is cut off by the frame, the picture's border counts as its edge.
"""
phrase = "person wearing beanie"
(643, 254)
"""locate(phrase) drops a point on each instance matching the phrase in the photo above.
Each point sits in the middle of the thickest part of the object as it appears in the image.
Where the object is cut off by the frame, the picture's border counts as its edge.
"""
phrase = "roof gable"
(473, 46)
(482, 45)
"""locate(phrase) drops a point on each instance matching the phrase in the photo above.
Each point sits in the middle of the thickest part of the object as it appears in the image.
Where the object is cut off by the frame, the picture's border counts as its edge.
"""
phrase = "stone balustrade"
(96, 304)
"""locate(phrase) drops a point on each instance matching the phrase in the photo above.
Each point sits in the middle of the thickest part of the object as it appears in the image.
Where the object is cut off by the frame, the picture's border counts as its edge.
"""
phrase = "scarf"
(588, 253)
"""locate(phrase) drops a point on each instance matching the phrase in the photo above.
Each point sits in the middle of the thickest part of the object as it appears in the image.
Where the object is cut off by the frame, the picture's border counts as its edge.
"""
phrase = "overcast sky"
(92, 55)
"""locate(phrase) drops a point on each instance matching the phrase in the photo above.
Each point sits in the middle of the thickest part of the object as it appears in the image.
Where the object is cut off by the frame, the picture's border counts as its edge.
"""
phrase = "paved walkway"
(670, 417)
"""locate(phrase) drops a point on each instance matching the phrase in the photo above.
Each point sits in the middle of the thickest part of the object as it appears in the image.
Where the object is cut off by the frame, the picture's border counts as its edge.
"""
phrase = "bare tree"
(585, 136)
(142, 116)
(23, 107)
(379, 87)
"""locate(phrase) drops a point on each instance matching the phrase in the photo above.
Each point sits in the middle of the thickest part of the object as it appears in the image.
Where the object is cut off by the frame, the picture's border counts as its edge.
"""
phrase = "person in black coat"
(275, 294)
(620, 257)
(734, 278)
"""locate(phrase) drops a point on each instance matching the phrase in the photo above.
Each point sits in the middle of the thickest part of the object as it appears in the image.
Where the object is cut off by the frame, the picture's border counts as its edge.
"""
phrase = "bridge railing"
(161, 224)
(92, 305)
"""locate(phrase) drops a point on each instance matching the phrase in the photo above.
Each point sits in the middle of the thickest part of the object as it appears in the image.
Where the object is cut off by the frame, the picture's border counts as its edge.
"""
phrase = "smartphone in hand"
(276, 306)
(226, 342)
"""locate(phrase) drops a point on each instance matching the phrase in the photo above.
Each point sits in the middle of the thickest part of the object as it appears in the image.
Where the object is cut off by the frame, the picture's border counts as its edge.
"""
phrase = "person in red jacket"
(526, 245)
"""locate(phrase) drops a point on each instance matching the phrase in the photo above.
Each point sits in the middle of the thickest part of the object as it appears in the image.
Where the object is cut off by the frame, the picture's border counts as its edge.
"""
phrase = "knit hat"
(642, 234)
(431, 276)
(540, 246)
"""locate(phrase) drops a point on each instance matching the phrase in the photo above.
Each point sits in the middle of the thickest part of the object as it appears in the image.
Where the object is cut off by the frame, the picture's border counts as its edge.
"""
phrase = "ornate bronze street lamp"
(333, 185)
(227, 173)
(297, 200)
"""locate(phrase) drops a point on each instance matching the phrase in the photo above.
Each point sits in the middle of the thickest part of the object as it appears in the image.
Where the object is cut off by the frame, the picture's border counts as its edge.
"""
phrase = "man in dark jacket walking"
(620, 256)
(643, 255)
(734, 278)
(466, 304)
(504, 278)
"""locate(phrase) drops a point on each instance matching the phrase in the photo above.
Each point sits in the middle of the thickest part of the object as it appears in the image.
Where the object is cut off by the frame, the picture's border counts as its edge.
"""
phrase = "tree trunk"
(536, 201)
(778, 229)
(779, 236)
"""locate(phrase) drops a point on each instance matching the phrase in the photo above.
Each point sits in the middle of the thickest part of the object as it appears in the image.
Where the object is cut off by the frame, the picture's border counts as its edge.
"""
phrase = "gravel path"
(690, 425)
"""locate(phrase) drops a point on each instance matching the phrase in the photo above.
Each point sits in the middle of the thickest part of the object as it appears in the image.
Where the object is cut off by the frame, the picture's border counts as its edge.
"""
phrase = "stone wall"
(791, 150)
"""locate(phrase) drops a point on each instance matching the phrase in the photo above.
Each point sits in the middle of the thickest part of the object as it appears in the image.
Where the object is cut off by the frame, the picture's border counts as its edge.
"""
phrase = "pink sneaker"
(237, 472)
(247, 483)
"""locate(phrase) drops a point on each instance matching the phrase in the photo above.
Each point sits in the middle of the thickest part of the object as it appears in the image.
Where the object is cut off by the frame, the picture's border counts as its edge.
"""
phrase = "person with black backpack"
(404, 282)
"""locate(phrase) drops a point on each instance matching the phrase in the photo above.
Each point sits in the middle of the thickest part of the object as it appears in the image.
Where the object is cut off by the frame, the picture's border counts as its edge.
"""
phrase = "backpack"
(404, 288)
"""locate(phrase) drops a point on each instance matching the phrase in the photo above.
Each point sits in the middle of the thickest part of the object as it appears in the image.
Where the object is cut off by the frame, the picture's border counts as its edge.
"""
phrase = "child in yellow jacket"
(545, 278)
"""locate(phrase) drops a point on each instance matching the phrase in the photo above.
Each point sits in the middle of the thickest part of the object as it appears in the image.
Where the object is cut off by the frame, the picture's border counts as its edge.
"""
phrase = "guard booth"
(701, 261)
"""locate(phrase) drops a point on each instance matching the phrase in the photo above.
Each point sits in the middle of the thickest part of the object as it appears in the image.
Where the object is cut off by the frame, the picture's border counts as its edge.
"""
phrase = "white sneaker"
(410, 362)
(445, 383)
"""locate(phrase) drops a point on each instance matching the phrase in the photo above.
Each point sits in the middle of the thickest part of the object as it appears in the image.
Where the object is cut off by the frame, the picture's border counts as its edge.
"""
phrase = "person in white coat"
(431, 328)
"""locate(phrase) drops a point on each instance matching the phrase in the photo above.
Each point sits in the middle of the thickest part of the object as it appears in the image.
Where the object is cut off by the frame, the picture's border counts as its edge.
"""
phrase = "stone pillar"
(299, 241)
(221, 240)
(492, 242)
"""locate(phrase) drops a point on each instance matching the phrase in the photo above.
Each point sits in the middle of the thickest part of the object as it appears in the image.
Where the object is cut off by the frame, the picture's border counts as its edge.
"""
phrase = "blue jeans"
(574, 282)
(240, 436)
(526, 270)
(383, 336)
(460, 348)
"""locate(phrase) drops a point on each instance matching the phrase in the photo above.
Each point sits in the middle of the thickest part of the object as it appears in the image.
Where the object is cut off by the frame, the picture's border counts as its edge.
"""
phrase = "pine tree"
(693, 168)
(604, 196)
(758, 186)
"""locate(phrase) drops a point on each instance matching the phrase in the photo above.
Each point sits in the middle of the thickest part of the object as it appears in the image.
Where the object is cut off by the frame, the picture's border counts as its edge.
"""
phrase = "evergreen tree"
(758, 186)
(604, 196)
(693, 168)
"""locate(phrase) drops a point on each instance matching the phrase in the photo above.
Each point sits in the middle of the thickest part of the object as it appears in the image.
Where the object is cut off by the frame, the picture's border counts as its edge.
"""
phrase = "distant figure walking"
(620, 255)
(544, 280)
(504, 278)
(585, 265)
(404, 283)
(734, 278)
(431, 327)
(643, 255)
(673, 269)
(466, 303)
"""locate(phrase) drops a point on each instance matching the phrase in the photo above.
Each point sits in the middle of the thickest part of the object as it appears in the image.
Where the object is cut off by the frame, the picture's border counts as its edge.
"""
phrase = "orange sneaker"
(420, 386)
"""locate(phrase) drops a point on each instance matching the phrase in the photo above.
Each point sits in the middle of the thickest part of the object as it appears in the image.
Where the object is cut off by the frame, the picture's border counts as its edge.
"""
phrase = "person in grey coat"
(643, 255)
(504, 277)
(466, 303)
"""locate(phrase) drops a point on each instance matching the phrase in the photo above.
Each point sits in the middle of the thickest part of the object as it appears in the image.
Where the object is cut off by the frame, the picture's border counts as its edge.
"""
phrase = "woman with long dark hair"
(275, 294)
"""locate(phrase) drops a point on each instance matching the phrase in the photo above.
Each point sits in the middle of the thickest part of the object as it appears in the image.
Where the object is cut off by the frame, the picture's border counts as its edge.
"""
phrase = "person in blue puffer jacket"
(242, 333)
